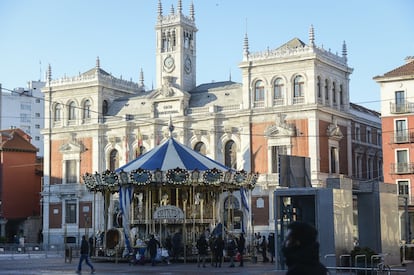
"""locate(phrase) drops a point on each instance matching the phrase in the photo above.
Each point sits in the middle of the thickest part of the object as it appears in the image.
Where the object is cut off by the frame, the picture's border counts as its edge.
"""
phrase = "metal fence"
(35, 250)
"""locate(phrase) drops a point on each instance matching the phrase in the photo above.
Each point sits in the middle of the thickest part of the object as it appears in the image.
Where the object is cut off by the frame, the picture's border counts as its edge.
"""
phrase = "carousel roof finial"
(170, 127)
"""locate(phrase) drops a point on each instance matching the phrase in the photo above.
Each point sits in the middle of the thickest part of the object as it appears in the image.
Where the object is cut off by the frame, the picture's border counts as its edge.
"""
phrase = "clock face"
(169, 63)
(187, 65)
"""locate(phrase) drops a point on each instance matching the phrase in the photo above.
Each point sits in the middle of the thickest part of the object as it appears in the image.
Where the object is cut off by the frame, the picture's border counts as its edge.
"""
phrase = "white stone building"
(293, 100)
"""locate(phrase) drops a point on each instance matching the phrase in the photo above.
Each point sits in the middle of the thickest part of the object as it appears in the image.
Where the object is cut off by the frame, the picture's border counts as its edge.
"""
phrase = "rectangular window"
(379, 138)
(70, 212)
(71, 175)
(24, 118)
(37, 126)
(334, 160)
(37, 115)
(37, 100)
(358, 166)
(401, 132)
(403, 188)
(399, 101)
(402, 161)
(24, 106)
(276, 151)
(369, 136)
(37, 138)
(357, 133)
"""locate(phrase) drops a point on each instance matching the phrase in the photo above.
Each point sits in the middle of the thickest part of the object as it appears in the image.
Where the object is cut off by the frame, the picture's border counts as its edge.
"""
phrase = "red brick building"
(20, 183)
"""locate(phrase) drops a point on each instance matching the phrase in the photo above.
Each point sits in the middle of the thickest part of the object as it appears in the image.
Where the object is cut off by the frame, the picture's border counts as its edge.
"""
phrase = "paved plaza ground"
(41, 264)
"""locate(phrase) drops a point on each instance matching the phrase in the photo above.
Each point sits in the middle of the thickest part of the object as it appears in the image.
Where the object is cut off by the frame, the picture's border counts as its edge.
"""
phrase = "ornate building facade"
(293, 100)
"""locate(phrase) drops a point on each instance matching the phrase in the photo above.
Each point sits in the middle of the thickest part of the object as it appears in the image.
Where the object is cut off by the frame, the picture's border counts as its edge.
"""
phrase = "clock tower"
(176, 48)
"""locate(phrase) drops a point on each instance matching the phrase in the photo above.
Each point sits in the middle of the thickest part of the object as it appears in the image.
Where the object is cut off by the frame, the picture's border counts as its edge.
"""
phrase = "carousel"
(172, 192)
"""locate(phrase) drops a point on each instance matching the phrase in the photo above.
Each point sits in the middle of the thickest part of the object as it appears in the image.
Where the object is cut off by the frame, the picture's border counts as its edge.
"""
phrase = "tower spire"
(246, 46)
(141, 78)
(344, 51)
(180, 6)
(192, 13)
(172, 9)
(98, 63)
(49, 74)
(159, 8)
(311, 36)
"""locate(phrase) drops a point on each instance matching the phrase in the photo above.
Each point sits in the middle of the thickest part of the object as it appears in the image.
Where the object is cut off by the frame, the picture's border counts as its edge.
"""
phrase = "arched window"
(319, 87)
(58, 112)
(87, 109)
(113, 160)
(334, 92)
(259, 91)
(277, 89)
(298, 86)
(72, 111)
(200, 147)
(104, 107)
(326, 89)
(230, 154)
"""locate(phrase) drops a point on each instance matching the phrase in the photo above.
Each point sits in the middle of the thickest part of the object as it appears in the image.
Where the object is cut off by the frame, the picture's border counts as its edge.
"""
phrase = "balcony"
(401, 108)
(402, 137)
(402, 168)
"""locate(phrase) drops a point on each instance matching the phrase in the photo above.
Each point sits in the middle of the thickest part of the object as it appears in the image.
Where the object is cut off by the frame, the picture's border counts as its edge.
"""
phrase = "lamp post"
(49, 78)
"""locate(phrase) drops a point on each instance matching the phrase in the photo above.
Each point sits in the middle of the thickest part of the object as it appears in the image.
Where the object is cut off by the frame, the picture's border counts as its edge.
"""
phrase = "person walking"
(218, 250)
(153, 245)
(263, 246)
(231, 249)
(202, 247)
(241, 243)
(301, 250)
(271, 246)
(84, 256)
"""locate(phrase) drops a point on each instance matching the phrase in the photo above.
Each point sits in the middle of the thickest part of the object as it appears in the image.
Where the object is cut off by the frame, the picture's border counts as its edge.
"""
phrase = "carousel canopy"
(170, 155)
(172, 163)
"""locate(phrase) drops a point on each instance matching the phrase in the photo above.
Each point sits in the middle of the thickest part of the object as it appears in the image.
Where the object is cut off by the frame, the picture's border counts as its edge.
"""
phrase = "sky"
(70, 34)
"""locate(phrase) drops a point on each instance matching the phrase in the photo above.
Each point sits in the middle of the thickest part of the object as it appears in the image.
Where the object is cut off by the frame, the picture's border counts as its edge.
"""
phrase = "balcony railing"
(402, 168)
(402, 137)
(401, 108)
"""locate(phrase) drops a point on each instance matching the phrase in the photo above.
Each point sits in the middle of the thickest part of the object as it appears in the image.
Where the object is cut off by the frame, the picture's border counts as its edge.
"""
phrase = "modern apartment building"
(397, 110)
(23, 108)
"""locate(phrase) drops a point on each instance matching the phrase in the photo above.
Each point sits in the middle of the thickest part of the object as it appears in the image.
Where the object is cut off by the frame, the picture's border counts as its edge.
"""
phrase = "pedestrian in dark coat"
(301, 250)
(241, 243)
(84, 255)
(271, 246)
(231, 249)
(202, 247)
(153, 245)
(218, 250)
(263, 246)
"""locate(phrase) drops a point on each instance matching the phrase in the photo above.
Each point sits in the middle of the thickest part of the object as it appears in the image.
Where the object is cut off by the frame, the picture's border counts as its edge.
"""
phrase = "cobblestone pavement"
(41, 264)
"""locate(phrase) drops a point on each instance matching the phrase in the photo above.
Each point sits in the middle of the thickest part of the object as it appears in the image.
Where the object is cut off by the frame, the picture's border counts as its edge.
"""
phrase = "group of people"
(264, 246)
(300, 250)
(232, 245)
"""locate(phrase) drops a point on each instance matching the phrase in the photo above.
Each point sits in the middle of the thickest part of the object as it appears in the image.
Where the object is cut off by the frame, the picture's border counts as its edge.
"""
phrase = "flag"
(125, 197)
(243, 197)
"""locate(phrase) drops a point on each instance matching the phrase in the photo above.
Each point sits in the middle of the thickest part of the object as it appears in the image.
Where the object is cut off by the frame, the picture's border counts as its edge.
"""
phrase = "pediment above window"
(281, 128)
(334, 132)
(71, 147)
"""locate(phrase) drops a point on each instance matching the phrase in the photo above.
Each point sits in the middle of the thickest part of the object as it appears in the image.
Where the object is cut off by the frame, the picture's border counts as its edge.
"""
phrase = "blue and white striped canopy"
(169, 155)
